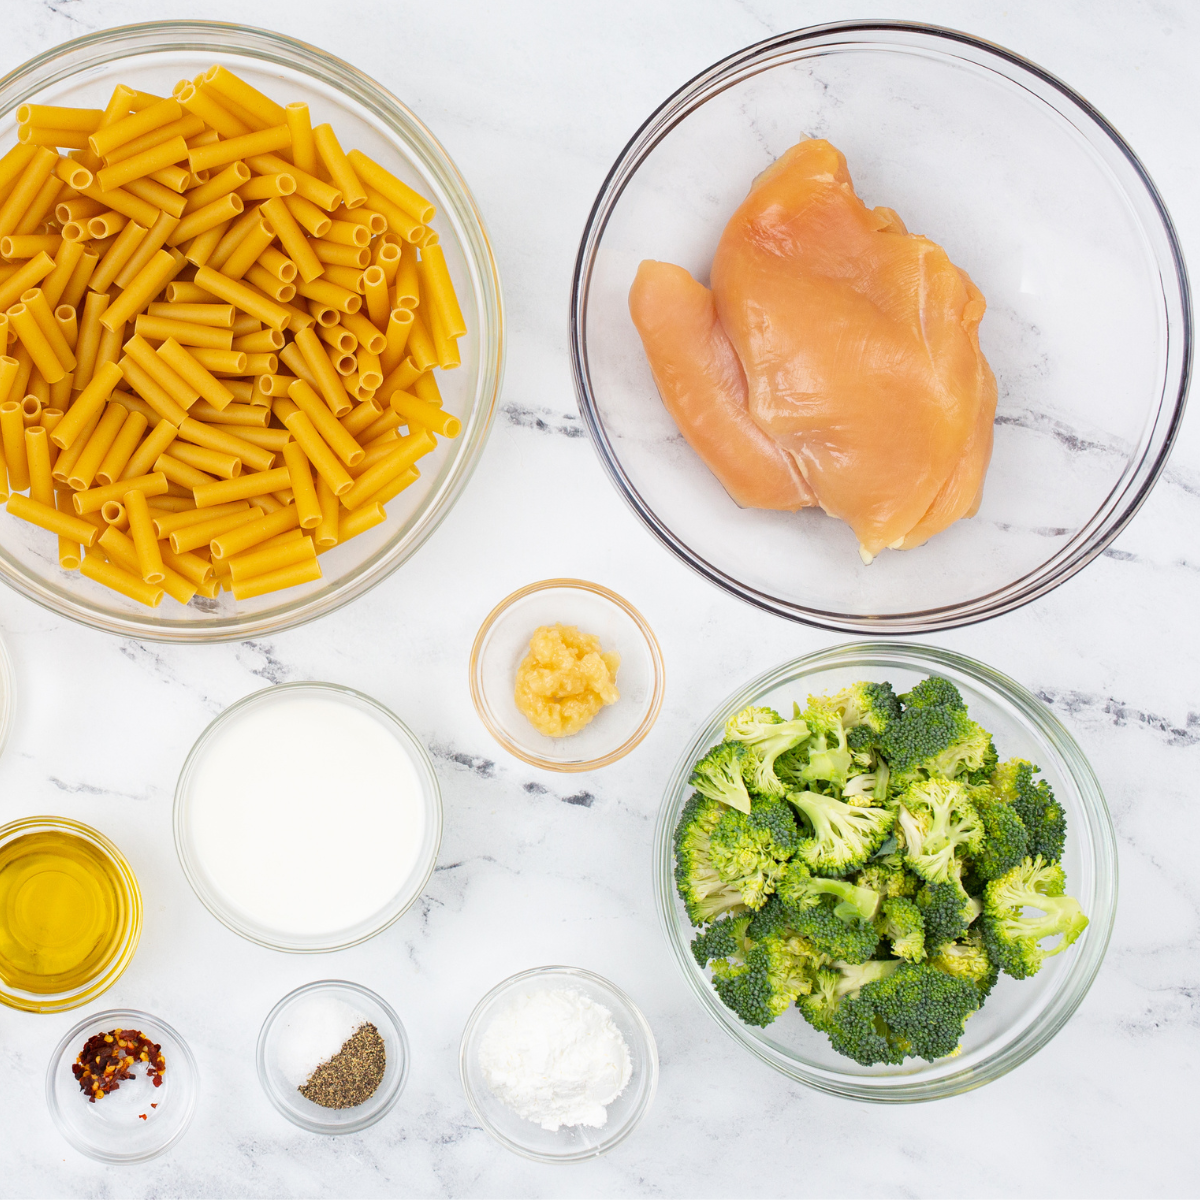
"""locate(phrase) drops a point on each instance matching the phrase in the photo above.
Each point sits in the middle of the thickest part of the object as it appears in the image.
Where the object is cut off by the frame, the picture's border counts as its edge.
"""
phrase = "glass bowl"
(285, 1095)
(137, 1121)
(503, 641)
(343, 840)
(571, 1143)
(127, 901)
(1030, 191)
(1020, 1016)
(154, 57)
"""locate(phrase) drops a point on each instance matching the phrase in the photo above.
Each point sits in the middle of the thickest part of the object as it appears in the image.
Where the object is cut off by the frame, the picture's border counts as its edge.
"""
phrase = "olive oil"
(63, 911)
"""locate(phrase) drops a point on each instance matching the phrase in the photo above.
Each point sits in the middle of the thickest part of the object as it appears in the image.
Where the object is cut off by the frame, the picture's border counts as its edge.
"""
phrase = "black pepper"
(352, 1075)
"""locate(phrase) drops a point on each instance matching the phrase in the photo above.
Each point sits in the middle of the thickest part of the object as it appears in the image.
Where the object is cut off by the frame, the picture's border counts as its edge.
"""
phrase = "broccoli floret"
(704, 893)
(922, 1009)
(888, 879)
(843, 836)
(834, 914)
(1013, 939)
(768, 736)
(721, 775)
(725, 938)
(968, 959)
(1034, 802)
(832, 1007)
(867, 706)
(825, 757)
(933, 692)
(749, 851)
(868, 787)
(935, 741)
(940, 827)
(775, 972)
(1005, 842)
(900, 921)
(947, 911)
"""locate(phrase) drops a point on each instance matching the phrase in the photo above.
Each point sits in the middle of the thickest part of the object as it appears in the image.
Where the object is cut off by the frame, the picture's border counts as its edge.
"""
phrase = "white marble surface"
(534, 101)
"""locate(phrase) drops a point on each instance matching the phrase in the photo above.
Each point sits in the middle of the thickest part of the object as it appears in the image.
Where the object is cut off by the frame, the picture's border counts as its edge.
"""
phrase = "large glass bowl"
(1020, 1016)
(153, 57)
(1030, 190)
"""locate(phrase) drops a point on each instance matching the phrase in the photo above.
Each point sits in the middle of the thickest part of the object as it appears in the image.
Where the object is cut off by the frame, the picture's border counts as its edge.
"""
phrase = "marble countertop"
(534, 101)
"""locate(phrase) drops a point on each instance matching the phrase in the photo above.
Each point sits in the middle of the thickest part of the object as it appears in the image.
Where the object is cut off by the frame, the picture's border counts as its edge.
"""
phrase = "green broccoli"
(768, 735)
(835, 915)
(888, 879)
(922, 1009)
(721, 775)
(933, 692)
(967, 959)
(1014, 940)
(1034, 802)
(843, 836)
(725, 938)
(704, 893)
(775, 972)
(749, 851)
(900, 921)
(870, 707)
(1005, 841)
(938, 820)
(831, 1007)
(935, 740)
(825, 756)
(947, 911)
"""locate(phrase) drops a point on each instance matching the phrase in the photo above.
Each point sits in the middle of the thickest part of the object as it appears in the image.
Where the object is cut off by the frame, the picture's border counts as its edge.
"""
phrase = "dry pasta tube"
(46, 516)
(306, 504)
(144, 542)
(351, 524)
(291, 236)
(37, 455)
(34, 340)
(29, 275)
(146, 455)
(424, 413)
(322, 458)
(253, 533)
(93, 499)
(326, 424)
(121, 451)
(438, 290)
(398, 461)
(166, 524)
(64, 463)
(147, 248)
(98, 446)
(12, 432)
(252, 456)
(198, 378)
(238, 294)
(156, 274)
(186, 333)
(264, 559)
(383, 181)
(263, 141)
(201, 534)
(328, 381)
(362, 417)
(65, 263)
(179, 390)
(251, 416)
(180, 473)
(191, 566)
(261, 483)
(96, 568)
(274, 581)
(393, 487)
(70, 554)
(215, 462)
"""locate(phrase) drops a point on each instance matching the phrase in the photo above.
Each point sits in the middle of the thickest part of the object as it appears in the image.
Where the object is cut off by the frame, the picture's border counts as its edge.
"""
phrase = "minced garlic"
(565, 680)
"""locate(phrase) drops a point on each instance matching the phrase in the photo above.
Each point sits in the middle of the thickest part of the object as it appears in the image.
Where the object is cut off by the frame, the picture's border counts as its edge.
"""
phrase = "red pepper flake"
(154, 1106)
(108, 1058)
(141, 1116)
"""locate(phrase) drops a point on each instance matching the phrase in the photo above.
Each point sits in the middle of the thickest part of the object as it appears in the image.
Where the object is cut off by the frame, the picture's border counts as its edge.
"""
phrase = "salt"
(316, 1028)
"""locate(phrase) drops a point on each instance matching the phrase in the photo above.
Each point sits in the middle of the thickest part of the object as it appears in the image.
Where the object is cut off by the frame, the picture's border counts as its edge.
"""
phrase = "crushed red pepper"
(109, 1058)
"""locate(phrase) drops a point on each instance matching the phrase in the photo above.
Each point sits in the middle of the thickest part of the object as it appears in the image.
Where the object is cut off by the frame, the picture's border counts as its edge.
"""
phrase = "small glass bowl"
(571, 1143)
(1021, 1015)
(112, 1129)
(129, 930)
(153, 57)
(1031, 192)
(503, 641)
(285, 1095)
(241, 922)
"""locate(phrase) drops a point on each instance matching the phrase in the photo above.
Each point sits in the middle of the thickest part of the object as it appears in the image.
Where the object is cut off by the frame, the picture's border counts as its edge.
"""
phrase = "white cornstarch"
(555, 1057)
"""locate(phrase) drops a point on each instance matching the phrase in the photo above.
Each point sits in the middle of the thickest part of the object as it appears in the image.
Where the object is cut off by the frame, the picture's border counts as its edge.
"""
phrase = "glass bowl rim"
(493, 726)
(1034, 583)
(140, 1018)
(1082, 972)
(405, 127)
(431, 797)
(649, 1046)
(54, 1002)
(368, 1119)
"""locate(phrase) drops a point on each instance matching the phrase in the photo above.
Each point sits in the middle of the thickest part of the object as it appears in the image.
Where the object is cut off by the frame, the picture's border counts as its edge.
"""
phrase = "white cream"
(306, 814)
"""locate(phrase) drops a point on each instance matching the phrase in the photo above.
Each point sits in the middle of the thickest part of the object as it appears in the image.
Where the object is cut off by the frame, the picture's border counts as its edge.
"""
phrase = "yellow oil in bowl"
(70, 914)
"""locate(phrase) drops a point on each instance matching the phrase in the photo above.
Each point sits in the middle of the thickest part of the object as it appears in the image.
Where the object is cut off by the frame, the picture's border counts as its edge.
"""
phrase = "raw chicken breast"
(704, 389)
(860, 349)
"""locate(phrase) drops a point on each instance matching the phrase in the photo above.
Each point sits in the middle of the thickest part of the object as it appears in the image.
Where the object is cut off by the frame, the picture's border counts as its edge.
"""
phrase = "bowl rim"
(1026, 588)
(422, 764)
(265, 45)
(126, 948)
(908, 1087)
(367, 1119)
(493, 726)
(649, 1045)
(140, 1019)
